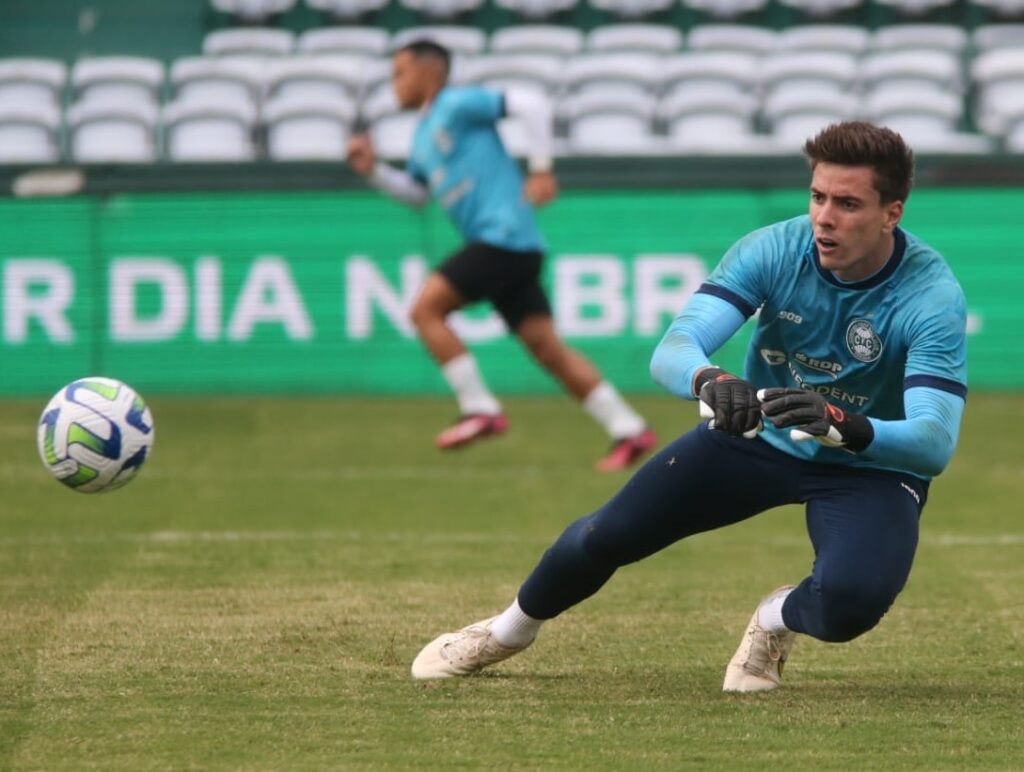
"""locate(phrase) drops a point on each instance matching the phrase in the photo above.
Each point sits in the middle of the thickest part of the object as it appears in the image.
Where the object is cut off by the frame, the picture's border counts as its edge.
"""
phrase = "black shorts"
(509, 280)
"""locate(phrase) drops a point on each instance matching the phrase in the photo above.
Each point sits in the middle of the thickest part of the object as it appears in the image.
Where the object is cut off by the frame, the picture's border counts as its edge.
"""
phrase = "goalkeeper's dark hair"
(856, 143)
(428, 49)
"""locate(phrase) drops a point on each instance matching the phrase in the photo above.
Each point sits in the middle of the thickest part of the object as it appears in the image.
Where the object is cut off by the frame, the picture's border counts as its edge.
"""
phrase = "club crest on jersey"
(773, 357)
(863, 341)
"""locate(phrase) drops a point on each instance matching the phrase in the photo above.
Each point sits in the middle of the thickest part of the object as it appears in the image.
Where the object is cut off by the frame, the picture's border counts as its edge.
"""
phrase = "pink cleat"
(627, 451)
(470, 428)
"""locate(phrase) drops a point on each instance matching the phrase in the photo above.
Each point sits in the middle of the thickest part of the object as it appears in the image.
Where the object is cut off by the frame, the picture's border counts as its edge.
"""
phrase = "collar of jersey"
(887, 270)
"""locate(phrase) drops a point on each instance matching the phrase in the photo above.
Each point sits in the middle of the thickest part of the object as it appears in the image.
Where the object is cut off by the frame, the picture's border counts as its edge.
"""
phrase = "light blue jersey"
(886, 346)
(457, 152)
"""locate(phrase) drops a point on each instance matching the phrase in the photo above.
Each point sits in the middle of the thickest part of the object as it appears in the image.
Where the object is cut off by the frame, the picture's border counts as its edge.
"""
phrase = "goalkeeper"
(854, 388)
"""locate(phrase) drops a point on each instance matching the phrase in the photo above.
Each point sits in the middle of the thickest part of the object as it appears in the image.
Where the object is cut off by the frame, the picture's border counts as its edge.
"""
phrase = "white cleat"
(758, 662)
(461, 653)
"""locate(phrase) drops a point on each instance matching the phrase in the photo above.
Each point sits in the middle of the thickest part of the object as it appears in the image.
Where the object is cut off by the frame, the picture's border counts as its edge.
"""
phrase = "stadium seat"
(250, 11)
(622, 73)
(392, 134)
(817, 71)
(536, 9)
(920, 37)
(29, 131)
(128, 78)
(542, 72)
(346, 10)
(32, 81)
(988, 37)
(1004, 8)
(840, 38)
(746, 39)
(933, 70)
(609, 123)
(441, 9)
(231, 78)
(204, 129)
(1013, 140)
(107, 128)
(796, 114)
(368, 41)
(339, 77)
(460, 40)
(707, 120)
(634, 38)
(998, 77)
(726, 72)
(631, 9)
(915, 7)
(915, 111)
(820, 8)
(725, 9)
(308, 126)
(249, 41)
(537, 39)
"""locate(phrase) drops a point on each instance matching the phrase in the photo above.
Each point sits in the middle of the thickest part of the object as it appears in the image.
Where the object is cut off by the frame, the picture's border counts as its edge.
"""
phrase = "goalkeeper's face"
(853, 228)
(415, 79)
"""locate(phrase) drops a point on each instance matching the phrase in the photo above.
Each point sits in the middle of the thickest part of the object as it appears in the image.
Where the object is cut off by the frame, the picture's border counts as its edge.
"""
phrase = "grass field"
(254, 599)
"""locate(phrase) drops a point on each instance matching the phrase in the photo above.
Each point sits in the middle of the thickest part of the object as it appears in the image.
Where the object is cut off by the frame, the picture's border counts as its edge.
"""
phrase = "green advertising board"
(308, 291)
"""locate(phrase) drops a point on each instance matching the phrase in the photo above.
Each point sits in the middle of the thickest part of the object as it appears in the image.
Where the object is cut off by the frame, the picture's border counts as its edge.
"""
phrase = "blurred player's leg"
(479, 410)
(630, 436)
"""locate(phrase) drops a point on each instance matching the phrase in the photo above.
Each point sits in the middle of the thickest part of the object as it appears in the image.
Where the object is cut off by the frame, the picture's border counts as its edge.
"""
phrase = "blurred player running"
(457, 156)
(854, 390)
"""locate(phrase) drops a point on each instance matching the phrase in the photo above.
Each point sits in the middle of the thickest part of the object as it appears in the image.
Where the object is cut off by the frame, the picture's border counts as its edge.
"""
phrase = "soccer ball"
(95, 434)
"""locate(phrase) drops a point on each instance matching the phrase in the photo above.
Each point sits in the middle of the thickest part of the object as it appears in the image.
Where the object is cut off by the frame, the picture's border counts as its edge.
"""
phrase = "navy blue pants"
(863, 526)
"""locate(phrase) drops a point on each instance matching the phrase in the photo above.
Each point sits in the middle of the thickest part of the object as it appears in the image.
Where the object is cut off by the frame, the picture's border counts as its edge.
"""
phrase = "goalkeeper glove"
(815, 418)
(729, 402)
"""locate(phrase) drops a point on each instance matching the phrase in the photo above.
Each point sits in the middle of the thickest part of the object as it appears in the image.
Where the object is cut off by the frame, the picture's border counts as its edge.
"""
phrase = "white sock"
(514, 628)
(769, 613)
(470, 390)
(610, 410)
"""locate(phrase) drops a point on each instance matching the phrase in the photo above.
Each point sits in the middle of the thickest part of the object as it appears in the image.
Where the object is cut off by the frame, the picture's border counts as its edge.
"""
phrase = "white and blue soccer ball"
(95, 434)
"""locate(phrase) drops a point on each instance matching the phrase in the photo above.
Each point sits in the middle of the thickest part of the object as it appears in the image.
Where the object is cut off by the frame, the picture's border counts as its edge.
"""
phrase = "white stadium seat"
(368, 41)
(538, 71)
(131, 78)
(536, 9)
(795, 115)
(308, 126)
(998, 76)
(934, 70)
(29, 131)
(108, 129)
(337, 76)
(821, 7)
(248, 11)
(743, 38)
(915, 111)
(988, 37)
(632, 9)
(802, 71)
(916, 7)
(537, 39)
(839, 38)
(635, 38)
(249, 41)
(728, 72)
(1008, 8)
(725, 9)
(202, 129)
(392, 134)
(920, 37)
(639, 73)
(346, 10)
(610, 123)
(36, 81)
(707, 120)
(231, 78)
(441, 9)
(460, 40)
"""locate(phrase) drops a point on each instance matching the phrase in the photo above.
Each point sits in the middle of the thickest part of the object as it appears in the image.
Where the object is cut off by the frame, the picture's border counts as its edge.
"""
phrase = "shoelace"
(470, 646)
(761, 655)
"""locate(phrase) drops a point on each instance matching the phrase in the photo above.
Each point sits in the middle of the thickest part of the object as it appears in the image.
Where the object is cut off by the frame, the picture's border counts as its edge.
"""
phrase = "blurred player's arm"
(397, 183)
(680, 363)
(535, 113)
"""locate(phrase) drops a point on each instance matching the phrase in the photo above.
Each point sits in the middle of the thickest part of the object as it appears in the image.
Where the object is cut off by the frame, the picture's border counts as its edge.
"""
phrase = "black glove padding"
(816, 418)
(730, 402)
